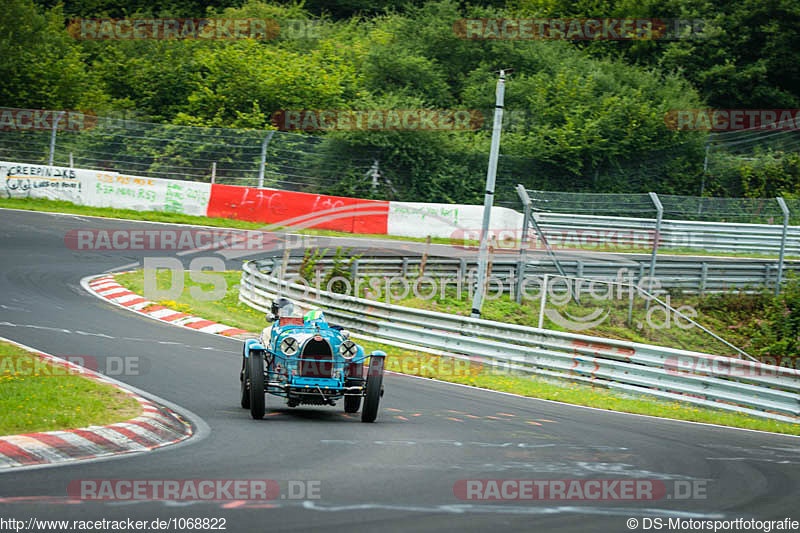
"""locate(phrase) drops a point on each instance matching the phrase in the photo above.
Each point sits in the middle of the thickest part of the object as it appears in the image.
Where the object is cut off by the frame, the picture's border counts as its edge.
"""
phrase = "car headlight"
(348, 349)
(289, 346)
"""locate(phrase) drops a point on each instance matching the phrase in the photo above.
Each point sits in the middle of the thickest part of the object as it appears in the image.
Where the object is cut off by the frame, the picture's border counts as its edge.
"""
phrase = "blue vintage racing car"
(309, 362)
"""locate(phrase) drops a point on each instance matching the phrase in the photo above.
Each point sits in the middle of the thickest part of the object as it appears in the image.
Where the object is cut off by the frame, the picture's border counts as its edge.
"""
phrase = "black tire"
(352, 404)
(374, 387)
(257, 400)
(244, 388)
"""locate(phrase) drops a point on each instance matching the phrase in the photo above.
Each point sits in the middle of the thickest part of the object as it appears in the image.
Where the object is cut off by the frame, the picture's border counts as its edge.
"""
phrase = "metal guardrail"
(707, 276)
(701, 379)
(712, 236)
(551, 214)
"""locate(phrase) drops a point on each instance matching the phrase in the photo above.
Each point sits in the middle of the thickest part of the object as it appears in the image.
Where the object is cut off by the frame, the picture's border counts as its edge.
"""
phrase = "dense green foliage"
(580, 116)
(764, 324)
(747, 57)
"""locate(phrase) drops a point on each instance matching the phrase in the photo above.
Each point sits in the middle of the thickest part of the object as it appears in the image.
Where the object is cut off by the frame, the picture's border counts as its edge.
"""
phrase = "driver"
(315, 317)
(281, 308)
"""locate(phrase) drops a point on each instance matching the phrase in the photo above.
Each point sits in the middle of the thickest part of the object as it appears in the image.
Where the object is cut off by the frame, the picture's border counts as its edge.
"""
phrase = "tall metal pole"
(261, 166)
(488, 200)
(785, 210)
(53, 137)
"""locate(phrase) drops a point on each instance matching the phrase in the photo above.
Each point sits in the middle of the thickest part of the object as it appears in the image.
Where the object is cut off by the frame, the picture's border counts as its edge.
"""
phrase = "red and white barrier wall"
(99, 188)
(297, 209)
(417, 219)
(269, 206)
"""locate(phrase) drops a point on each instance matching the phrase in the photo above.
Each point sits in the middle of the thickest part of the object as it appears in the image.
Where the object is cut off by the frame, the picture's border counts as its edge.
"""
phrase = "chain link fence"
(329, 164)
(746, 162)
(607, 204)
(233, 156)
(676, 207)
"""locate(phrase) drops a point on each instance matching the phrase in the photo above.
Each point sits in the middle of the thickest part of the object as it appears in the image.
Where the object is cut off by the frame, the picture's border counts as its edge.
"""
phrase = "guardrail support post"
(489, 266)
(656, 240)
(542, 301)
(630, 297)
(703, 278)
(354, 269)
(424, 261)
(405, 267)
(782, 203)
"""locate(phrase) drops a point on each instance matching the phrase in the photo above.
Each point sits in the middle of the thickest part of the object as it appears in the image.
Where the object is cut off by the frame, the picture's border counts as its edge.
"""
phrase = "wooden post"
(425, 256)
(285, 265)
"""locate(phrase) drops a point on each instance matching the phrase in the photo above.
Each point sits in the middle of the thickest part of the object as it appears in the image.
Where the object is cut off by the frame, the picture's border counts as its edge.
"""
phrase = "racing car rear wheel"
(257, 399)
(374, 388)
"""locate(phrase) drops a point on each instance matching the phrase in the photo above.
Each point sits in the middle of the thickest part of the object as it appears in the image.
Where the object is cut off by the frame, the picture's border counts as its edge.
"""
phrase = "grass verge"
(37, 396)
(58, 206)
(229, 311)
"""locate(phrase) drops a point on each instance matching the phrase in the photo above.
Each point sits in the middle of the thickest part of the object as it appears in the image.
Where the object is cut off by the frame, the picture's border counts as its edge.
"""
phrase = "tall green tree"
(746, 56)
(42, 67)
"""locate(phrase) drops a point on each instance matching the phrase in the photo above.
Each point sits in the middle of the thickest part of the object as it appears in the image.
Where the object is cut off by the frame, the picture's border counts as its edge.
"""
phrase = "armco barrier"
(590, 231)
(707, 276)
(702, 379)
(711, 236)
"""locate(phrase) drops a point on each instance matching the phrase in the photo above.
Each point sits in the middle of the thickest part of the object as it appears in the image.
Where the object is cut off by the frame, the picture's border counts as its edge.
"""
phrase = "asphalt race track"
(395, 475)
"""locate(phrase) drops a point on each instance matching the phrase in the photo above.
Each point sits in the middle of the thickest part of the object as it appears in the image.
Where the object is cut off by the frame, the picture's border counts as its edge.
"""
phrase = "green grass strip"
(36, 396)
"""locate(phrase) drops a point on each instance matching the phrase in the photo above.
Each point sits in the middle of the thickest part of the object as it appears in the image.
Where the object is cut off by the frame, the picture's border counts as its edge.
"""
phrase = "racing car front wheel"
(374, 388)
(257, 399)
(244, 388)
